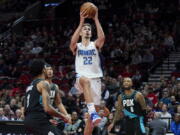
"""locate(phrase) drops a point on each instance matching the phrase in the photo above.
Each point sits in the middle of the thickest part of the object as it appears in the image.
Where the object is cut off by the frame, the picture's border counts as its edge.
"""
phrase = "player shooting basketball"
(87, 65)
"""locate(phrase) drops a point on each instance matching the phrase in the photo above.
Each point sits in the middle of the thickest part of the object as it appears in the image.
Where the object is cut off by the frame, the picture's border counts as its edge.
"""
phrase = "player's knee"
(84, 82)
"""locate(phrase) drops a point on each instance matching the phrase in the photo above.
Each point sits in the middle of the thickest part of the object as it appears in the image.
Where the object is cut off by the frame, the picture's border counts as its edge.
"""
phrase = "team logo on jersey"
(52, 96)
(87, 52)
(128, 102)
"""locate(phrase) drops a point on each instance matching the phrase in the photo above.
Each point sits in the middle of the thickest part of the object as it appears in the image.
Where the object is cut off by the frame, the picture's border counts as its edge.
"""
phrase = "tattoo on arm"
(46, 87)
(141, 100)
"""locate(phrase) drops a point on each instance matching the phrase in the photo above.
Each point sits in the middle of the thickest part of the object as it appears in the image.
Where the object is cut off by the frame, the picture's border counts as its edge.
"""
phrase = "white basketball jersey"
(88, 61)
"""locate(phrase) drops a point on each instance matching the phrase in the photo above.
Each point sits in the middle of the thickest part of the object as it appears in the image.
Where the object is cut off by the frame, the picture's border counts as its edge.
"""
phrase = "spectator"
(136, 58)
(71, 129)
(137, 79)
(150, 113)
(169, 41)
(148, 58)
(8, 112)
(175, 125)
(165, 115)
(158, 126)
(102, 106)
(105, 92)
(127, 72)
(82, 125)
(2, 117)
(152, 96)
(165, 98)
(100, 130)
(18, 115)
(13, 105)
(36, 50)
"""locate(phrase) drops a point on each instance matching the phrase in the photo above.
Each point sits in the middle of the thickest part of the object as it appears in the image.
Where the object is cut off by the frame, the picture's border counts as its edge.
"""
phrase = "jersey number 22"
(87, 60)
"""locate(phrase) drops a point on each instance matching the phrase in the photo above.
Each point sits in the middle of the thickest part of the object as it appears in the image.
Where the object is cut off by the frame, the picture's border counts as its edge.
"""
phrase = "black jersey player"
(55, 96)
(132, 103)
(37, 103)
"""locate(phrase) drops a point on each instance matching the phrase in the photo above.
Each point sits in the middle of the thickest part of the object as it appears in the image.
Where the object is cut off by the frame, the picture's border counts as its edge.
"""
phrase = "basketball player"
(87, 63)
(37, 103)
(55, 98)
(132, 103)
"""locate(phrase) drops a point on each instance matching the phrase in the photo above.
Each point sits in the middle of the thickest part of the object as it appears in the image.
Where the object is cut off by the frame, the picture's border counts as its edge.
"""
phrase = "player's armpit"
(141, 100)
(118, 109)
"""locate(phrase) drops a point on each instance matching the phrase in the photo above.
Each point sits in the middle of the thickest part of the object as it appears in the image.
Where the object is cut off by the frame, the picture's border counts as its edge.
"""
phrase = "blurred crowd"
(136, 39)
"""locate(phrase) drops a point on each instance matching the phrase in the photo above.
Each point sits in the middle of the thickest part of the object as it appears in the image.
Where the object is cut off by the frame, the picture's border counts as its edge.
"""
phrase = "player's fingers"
(83, 12)
(86, 16)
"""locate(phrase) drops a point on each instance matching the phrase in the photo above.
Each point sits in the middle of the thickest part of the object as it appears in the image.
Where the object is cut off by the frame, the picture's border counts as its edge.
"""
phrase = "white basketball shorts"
(95, 89)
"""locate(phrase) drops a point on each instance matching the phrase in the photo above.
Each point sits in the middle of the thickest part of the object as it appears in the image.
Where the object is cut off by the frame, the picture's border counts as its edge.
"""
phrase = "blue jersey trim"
(40, 100)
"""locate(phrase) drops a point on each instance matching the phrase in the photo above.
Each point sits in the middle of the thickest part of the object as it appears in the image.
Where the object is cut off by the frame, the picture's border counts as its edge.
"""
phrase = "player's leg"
(85, 84)
(86, 88)
(96, 96)
(140, 128)
(130, 127)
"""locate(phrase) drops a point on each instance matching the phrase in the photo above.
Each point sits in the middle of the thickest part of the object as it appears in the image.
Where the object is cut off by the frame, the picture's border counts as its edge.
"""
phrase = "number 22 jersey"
(87, 62)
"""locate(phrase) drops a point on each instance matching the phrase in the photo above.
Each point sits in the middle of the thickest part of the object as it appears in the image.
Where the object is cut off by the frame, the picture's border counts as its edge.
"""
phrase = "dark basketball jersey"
(130, 104)
(33, 101)
(52, 93)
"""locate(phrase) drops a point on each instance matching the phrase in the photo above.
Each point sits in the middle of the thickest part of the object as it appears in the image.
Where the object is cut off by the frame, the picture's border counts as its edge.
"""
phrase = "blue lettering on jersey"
(87, 52)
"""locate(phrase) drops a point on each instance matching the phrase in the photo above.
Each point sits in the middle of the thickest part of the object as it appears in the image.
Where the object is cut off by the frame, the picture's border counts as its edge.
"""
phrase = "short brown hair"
(87, 24)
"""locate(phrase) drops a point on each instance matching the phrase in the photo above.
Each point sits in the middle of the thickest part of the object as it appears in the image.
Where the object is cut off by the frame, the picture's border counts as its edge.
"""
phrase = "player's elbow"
(102, 38)
(72, 46)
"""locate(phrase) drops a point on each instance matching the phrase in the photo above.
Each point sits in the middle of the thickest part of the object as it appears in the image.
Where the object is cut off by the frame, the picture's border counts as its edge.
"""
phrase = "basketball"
(90, 9)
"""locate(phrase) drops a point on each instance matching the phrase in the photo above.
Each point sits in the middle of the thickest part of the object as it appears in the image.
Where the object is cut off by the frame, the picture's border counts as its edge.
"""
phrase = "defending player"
(87, 63)
(132, 103)
(37, 103)
(55, 98)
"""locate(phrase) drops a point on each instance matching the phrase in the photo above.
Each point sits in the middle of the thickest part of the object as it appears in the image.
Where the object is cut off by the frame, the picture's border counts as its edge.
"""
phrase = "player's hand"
(83, 16)
(69, 119)
(54, 122)
(96, 15)
(110, 127)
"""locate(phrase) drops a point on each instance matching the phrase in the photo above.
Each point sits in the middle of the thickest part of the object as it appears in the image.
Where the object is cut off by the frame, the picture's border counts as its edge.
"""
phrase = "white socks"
(91, 108)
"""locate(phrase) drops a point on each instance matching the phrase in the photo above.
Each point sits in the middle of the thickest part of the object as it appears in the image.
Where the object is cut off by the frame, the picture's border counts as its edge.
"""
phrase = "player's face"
(86, 32)
(127, 83)
(49, 72)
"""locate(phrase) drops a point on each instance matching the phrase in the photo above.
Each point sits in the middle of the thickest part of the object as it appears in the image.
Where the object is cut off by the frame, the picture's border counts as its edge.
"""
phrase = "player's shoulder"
(56, 86)
(139, 94)
(120, 96)
(43, 83)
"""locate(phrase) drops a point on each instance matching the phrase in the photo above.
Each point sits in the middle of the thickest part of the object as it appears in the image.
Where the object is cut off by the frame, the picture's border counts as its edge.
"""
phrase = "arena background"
(142, 42)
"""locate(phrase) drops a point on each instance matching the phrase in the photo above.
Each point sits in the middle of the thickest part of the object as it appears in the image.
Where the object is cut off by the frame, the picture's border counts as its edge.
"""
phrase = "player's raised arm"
(100, 33)
(44, 88)
(75, 36)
